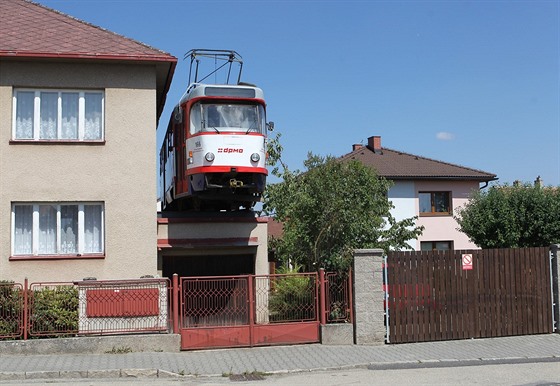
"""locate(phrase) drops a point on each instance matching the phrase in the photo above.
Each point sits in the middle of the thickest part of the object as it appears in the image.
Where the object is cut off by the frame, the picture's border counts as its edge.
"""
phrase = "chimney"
(356, 146)
(374, 143)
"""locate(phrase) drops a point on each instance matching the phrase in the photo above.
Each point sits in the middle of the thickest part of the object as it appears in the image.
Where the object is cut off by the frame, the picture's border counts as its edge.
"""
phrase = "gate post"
(322, 297)
(25, 308)
(251, 298)
(369, 318)
(555, 266)
(175, 297)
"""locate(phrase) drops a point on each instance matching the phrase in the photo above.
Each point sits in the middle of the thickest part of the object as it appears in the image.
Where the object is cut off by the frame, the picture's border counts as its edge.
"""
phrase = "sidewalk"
(278, 359)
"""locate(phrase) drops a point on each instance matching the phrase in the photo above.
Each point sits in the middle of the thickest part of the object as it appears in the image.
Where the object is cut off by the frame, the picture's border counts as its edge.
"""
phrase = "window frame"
(80, 236)
(434, 245)
(36, 137)
(432, 194)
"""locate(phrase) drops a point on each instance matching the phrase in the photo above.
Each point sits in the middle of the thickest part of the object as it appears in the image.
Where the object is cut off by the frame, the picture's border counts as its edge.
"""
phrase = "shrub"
(55, 310)
(292, 297)
(11, 316)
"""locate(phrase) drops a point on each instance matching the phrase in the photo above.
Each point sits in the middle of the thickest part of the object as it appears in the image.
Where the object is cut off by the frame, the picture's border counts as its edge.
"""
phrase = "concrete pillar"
(369, 326)
(556, 284)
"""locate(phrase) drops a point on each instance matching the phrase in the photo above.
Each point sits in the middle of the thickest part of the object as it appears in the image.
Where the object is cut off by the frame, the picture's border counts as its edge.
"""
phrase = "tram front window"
(227, 118)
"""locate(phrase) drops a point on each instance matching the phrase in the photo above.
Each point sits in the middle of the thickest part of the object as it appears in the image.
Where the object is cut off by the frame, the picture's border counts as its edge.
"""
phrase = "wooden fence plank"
(474, 278)
(432, 298)
(509, 309)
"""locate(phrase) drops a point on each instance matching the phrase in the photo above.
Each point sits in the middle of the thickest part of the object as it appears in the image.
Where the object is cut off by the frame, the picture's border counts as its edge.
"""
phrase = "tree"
(331, 209)
(512, 216)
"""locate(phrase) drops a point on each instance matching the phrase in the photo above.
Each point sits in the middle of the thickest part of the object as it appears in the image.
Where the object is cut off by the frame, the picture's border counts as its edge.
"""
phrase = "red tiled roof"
(397, 165)
(31, 30)
(275, 228)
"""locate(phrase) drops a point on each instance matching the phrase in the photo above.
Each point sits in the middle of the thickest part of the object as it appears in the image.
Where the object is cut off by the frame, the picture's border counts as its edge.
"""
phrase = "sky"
(472, 83)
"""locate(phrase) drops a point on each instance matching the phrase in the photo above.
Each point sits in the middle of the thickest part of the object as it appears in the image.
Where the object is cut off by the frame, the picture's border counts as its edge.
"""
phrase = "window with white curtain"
(57, 228)
(51, 115)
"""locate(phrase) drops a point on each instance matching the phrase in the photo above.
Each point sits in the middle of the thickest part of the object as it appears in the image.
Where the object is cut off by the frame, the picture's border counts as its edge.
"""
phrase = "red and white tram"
(213, 156)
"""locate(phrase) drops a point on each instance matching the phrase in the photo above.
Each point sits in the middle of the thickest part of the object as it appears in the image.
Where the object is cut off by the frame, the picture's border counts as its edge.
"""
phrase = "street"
(518, 374)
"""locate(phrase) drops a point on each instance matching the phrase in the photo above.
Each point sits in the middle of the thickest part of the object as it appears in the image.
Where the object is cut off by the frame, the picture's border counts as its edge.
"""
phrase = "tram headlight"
(255, 157)
(209, 156)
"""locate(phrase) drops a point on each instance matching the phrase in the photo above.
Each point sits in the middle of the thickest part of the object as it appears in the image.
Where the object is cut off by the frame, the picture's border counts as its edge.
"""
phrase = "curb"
(158, 373)
(89, 374)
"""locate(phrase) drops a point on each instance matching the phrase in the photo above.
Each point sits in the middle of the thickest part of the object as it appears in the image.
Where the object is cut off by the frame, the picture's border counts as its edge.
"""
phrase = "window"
(57, 229)
(227, 118)
(435, 203)
(436, 245)
(51, 115)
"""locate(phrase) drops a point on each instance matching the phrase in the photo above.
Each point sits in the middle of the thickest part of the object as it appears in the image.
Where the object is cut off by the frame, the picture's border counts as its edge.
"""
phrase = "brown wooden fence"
(443, 295)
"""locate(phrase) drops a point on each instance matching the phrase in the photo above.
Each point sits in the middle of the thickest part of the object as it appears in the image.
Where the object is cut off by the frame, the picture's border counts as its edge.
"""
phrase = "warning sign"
(467, 261)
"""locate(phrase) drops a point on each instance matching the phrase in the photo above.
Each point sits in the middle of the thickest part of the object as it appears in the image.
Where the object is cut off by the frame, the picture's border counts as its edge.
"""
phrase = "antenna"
(227, 56)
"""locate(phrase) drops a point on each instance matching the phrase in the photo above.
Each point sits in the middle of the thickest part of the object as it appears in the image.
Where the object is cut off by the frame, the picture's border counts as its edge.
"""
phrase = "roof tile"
(393, 164)
(30, 29)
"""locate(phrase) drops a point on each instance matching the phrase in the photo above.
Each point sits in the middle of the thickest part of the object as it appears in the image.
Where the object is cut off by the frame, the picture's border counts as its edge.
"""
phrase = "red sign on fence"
(467, 261)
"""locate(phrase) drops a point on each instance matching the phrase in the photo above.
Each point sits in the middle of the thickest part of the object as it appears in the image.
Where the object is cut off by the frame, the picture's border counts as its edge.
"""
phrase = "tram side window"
(196, 118)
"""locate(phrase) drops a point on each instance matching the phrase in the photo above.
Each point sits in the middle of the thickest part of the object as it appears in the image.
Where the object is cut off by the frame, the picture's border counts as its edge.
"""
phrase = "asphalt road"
(512, 374)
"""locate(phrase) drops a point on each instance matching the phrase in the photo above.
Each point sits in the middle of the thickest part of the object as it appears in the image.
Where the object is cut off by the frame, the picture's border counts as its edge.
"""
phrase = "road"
(518, 374)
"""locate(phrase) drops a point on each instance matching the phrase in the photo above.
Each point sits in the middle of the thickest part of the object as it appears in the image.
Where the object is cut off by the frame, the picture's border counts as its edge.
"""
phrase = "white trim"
(37, 113)
(81, 226)
(37, 116)
(81, 115)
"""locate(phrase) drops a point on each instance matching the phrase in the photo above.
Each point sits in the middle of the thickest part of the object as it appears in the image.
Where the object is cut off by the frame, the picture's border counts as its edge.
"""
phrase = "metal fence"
(338, 297)
(282, 298)
(11, 310)
(231, 301)
(92, 307)
(84, 308)
(212, 301)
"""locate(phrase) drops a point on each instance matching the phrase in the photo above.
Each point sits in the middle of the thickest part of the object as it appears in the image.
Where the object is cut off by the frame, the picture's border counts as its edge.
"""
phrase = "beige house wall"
(120, 173)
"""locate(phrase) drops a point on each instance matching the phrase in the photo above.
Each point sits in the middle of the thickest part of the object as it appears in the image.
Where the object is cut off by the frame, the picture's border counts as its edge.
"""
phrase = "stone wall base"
(337, 334)
(94, 345)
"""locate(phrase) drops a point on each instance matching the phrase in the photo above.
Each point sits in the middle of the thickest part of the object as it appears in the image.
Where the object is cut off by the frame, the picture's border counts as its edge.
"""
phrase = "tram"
(213, 155)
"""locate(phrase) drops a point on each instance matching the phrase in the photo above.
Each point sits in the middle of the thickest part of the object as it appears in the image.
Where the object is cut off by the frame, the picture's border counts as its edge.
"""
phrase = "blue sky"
(474, 83)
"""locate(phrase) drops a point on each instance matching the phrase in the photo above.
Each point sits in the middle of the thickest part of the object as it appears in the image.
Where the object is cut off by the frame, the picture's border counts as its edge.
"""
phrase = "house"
(79, 107)
(423, 187)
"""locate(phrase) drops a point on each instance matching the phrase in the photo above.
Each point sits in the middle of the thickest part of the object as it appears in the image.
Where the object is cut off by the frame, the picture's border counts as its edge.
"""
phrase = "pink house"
(423, 187)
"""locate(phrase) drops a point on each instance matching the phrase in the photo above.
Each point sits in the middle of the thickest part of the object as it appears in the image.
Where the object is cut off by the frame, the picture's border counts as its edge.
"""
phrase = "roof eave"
(158, 59)
(446, 178)
(166, 88)
(84, 55)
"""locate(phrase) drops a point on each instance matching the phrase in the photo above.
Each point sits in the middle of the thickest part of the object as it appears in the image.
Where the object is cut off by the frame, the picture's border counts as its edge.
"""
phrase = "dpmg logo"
(230, 150)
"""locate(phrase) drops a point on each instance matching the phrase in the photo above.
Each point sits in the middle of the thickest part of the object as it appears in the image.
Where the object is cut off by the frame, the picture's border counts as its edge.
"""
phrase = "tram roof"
(197, 90)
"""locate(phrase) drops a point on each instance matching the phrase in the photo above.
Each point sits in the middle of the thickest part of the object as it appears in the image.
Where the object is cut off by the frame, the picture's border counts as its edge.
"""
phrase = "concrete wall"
(369, 318)
(121, 173)
(221, 234)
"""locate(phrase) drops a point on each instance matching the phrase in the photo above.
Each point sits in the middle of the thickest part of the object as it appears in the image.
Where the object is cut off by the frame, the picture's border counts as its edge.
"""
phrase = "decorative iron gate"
(249, 310)
(443, 295)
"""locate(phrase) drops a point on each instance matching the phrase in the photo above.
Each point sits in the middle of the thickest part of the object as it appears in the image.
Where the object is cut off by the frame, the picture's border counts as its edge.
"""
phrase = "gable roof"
(31, 30)
(398, 165)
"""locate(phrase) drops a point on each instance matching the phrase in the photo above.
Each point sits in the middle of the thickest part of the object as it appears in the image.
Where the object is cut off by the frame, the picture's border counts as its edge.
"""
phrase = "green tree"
(331, 209)
(512, 216)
